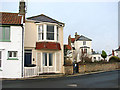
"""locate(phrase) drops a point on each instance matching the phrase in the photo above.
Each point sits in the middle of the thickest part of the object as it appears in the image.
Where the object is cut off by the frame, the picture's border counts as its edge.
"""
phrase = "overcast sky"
(95, 20)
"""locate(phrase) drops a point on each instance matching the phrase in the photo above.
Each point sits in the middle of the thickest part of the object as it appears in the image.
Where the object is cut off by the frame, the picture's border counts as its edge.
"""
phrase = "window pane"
(50, 59)
(84, 42)
(50, 36)
(44, 59)
(10, 54)
(57, 33)
(40, 32)
(14, 54)
(42, 36)
(7, 33)
(0, 55)
(1, 33)
(39, 36)
(50, 28)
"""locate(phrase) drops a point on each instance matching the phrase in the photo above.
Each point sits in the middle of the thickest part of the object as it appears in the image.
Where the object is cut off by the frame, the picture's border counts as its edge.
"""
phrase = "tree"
(104, 55)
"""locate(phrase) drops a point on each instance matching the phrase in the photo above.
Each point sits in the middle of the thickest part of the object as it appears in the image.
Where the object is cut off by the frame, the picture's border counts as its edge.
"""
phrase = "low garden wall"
(68, 69)
(91, 67)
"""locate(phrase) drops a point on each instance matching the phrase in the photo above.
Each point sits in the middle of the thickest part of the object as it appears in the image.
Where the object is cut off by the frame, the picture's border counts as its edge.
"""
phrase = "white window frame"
(45, 32)
(13, 55)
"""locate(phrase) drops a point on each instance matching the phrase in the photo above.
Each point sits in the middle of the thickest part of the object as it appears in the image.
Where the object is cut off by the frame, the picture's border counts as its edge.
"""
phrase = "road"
(98, 80)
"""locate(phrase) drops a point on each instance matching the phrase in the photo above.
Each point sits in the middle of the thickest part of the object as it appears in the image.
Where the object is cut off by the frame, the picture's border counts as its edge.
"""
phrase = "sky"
(97, 20)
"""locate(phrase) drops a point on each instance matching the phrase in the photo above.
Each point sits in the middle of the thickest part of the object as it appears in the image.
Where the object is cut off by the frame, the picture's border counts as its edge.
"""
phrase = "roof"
(83, 38)
(118, 49)
(10, 18)
(44, 18)
(48, 46)
(72, 40)
(67, 47)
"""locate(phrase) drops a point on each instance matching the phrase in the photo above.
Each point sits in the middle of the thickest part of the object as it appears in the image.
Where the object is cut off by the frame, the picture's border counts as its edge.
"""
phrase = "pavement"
(45, 76)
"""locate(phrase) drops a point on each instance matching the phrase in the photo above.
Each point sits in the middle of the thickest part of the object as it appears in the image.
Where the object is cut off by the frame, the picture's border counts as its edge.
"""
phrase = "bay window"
(4, 33)
(48, 32)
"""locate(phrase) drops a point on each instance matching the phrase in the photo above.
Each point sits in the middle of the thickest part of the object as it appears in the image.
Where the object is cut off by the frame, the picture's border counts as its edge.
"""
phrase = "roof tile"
(10, 18)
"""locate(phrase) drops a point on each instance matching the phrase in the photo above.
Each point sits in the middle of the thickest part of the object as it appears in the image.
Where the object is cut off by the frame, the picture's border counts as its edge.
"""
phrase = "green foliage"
(114, 59)
(104, 55)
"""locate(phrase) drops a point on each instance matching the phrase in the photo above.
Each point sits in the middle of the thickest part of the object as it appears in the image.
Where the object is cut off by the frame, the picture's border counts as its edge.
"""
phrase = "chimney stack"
(69, 40)
(76, 35)
(113, 52)
(22, 9)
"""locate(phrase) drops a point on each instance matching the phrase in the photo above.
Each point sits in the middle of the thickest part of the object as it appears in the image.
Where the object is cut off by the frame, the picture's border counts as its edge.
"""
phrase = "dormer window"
(50, 32)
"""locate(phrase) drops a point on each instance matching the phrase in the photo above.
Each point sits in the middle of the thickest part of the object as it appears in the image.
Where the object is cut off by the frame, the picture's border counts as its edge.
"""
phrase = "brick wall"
(98, 67)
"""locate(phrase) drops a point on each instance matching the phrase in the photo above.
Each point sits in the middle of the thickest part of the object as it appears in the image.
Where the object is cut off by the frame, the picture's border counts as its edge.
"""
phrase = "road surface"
(99, 80)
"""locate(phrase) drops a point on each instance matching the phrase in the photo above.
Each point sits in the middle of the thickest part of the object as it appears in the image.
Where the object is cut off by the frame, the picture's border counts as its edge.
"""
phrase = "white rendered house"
(11, 45)
(80, 44)
(44, 44)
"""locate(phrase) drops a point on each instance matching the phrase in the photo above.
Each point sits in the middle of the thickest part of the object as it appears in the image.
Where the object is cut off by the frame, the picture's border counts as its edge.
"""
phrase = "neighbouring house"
(116, 52)
(80, 45)
(11, 44)
(44, 44)
(96, 56)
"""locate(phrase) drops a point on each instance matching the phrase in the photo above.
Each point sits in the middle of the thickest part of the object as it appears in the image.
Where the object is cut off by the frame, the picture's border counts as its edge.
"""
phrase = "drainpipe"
(22, 51)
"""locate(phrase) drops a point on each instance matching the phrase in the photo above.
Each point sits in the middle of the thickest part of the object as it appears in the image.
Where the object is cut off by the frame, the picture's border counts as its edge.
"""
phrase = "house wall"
(119, 54)
(96, 55)
(30, 34)
(12, 68)
(79, 44)
(31, 39)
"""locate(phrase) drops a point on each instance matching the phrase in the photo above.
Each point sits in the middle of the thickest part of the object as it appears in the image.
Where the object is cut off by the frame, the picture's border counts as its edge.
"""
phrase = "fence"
(30, 71)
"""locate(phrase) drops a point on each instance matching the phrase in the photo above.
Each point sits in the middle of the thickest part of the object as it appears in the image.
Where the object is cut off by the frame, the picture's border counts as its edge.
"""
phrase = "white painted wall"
(97, 57)
(12, 68)
(79, 44)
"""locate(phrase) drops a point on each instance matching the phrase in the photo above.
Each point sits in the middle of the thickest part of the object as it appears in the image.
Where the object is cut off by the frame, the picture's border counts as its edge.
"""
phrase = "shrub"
(87, 60)
(103, 55)
(114, 59)
(68, 62)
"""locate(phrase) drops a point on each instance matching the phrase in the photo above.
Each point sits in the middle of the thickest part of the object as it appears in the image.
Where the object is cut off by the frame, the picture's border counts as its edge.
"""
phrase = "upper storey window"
(50, 32)
(40, 32)
(5, 34)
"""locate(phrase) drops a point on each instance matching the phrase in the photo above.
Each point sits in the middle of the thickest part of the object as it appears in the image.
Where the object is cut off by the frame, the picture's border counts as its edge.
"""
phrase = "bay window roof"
(48, 46)
(44, 18)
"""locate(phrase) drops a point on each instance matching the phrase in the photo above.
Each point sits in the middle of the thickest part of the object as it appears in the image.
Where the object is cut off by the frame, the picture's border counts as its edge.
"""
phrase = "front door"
(48, 63)
(28, 57)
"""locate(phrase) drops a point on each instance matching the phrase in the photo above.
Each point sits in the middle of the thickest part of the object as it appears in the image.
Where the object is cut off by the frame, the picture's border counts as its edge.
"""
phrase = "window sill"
(12, 59)
(5, 41)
